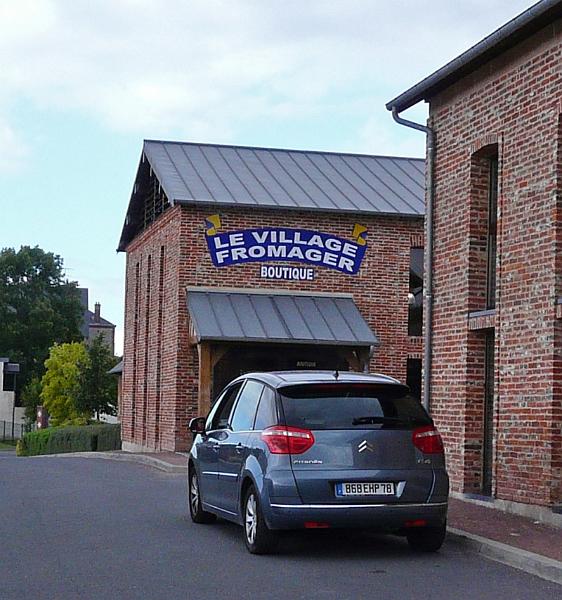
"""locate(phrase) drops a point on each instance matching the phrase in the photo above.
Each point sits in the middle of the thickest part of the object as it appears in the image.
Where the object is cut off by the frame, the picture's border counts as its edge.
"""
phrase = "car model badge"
(365, 446)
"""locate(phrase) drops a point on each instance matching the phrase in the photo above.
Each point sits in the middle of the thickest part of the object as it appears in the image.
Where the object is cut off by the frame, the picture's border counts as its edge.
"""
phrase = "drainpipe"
(428, 252)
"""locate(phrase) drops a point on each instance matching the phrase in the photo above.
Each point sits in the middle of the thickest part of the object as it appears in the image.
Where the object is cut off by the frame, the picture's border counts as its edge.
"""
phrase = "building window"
(488, 433)
(159, 347)
(414, 376)
(135, 350)
(491, 249)
(147, 331)
(415, 293)
(482, 229)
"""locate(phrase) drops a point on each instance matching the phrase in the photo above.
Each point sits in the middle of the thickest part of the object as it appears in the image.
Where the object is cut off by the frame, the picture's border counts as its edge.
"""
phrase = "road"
(73, 528)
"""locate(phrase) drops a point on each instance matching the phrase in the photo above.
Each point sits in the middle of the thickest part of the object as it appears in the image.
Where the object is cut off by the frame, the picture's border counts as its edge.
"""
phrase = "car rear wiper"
(375, 420)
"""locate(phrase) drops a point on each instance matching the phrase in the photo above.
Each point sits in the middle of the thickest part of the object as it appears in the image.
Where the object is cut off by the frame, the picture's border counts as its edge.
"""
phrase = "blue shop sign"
(273, 244)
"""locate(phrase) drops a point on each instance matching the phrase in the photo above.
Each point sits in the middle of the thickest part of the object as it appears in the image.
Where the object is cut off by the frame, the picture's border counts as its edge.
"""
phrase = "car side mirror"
(197, 425)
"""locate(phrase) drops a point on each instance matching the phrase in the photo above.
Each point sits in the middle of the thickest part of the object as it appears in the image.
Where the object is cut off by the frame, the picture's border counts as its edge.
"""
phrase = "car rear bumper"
(381, 517)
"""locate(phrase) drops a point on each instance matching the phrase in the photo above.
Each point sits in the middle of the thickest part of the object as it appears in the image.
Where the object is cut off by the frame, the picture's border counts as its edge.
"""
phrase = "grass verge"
(7, 445)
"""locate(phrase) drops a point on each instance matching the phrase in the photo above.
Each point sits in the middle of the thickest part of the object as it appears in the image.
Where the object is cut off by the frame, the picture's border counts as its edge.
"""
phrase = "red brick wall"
(514, 101)
(151, 347)
(380, 291)
(556, 423)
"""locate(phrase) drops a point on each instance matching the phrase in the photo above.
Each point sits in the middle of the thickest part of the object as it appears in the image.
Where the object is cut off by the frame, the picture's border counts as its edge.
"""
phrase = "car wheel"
(257, 535)
(198, 515)
(427, 539)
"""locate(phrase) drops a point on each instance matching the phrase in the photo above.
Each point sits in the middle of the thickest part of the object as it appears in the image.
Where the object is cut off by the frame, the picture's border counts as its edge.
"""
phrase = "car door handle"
(239, 447)
(215, 447)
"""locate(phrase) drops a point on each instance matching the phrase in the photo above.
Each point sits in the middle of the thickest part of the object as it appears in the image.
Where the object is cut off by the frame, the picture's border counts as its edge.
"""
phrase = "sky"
(83, 82)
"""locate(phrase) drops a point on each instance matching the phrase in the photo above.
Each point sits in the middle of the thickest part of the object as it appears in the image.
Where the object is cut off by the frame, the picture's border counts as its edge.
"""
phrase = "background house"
(8, 412)
(94, 324)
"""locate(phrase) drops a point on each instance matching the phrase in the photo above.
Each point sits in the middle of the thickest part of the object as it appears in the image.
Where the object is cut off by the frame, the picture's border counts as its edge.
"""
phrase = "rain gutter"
(428, 252)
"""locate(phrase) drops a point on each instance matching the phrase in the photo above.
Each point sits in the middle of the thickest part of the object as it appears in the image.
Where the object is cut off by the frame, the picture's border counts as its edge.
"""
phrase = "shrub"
(20, 448)
(109, 437)
(60, 384)
(58, 440)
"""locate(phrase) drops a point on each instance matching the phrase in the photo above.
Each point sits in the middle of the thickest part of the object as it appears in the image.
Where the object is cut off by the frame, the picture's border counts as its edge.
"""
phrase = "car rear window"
(351, 406)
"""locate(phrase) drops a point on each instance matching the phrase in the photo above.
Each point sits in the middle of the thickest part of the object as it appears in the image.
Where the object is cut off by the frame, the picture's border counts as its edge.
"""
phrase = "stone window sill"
(481, 319)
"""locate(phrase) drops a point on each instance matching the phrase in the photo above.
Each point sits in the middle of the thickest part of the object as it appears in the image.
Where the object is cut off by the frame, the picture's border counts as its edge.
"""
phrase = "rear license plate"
(365, 489)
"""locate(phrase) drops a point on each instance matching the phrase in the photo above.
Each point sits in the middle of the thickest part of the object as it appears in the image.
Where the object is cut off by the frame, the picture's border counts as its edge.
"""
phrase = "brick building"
(244, 259)
(495, 163)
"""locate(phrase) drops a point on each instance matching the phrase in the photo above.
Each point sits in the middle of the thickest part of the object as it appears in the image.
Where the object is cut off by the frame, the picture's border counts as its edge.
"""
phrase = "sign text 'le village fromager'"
(285, 244)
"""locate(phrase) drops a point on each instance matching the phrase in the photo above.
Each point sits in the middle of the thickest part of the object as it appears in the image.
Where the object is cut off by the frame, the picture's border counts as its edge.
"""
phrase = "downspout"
(428, 252)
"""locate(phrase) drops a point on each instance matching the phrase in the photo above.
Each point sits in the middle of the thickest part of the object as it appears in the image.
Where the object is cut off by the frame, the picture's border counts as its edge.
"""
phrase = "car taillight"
(281, 439)
(428, 440)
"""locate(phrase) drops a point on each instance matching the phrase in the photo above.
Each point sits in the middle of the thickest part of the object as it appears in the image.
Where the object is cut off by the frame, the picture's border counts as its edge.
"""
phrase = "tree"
(38, 308)
(31, 397)
(61, 382)
(97, 389)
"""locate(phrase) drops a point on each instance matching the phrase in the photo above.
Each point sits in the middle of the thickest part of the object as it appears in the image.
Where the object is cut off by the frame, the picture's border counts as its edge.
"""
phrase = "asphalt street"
(73, 528)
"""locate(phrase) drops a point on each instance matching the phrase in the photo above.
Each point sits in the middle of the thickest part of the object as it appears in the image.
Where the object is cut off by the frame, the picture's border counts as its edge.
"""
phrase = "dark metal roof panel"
(280, 318)
(164, 162)
(243, 176)
(90, 320)
(519, 28)
(117, 369)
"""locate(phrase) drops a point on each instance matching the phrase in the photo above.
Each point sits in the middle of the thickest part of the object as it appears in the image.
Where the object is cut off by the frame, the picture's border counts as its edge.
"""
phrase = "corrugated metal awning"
(117, 369)
(277, 318)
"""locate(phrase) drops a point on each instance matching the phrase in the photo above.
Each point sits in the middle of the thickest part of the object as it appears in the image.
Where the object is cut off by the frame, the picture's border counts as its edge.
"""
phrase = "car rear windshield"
(352, 406)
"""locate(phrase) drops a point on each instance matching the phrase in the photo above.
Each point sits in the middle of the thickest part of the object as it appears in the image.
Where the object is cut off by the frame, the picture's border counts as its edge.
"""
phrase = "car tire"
(198, 515)
(427, 539)
(258, 537)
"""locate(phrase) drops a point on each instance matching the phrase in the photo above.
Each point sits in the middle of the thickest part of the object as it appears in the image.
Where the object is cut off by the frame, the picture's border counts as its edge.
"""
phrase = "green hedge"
(57, 440)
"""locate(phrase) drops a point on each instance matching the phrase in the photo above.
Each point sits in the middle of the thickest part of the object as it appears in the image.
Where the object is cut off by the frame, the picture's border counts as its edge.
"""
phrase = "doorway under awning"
(273, 329)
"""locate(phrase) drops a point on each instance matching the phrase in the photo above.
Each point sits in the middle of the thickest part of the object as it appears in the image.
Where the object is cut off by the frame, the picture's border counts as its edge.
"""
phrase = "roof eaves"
(160, 176)
(117, 369)
(296, 341)
(316, 209)
(530, 21)
(123, 239)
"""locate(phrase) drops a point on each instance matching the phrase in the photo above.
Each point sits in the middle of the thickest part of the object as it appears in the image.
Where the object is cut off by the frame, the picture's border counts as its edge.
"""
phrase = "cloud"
(207, 69)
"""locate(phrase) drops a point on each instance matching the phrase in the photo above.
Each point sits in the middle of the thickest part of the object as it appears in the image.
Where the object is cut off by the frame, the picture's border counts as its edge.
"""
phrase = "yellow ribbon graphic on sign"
(213, 224)
(360, 234)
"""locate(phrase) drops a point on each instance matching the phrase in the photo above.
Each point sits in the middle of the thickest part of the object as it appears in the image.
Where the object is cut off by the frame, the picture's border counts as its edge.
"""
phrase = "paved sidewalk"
(511, 539)
(506, 528)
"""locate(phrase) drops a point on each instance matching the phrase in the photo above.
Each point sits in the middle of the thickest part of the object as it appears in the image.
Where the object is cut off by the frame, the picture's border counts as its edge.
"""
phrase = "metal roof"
(278, 318)
(217, 175)
(117, 369)
(521, 27)
(279, 379)
(244, 176)
(90, 320)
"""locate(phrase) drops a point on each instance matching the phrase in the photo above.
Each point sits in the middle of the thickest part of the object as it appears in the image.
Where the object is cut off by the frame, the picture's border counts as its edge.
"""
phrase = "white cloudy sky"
(82, 82)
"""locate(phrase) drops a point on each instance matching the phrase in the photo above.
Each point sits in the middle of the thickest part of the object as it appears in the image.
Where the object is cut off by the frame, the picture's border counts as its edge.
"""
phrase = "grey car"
(319, 449)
